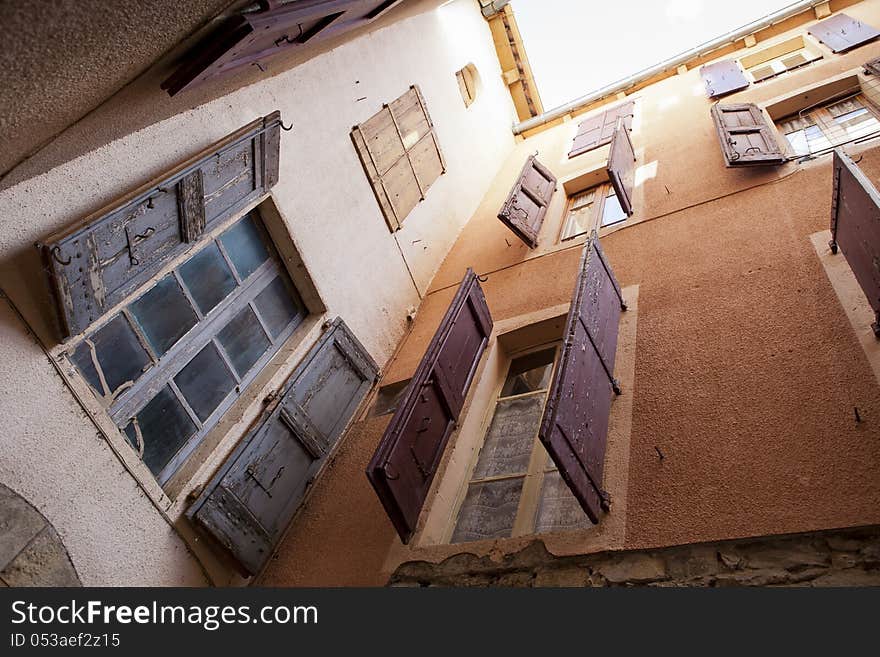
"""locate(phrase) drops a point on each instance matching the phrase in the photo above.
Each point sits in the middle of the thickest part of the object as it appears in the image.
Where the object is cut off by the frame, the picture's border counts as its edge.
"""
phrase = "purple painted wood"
(841, 32)
(598, 130)
(575, 424)
(723, 78)
(621, 168)
(406, 461)
(523, 211)
(855, 226)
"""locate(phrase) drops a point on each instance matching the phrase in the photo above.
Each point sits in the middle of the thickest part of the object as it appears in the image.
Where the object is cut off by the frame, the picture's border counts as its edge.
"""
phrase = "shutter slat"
(104, 258)
(621, 168)
(745, 136)
(841, 32)
(575, 423)
(855, 226)
(406, 461)
(248, 504)
(523, 211)
(722, 78)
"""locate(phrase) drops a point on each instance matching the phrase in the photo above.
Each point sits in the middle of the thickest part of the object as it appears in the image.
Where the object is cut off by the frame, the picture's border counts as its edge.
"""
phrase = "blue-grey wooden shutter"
(841, 32)
(722, 78)
(250, 502)
(575, 424)
(100, 261)
(599, 129)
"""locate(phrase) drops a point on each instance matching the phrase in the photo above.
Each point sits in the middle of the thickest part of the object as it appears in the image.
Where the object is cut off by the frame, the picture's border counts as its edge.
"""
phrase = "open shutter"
(575, 423)
(841, 32)
(723, 78)
(621, 168)
(523, 211)
(598, 130)
(249, 503)
(873, 66)
(855, 226)
(101, 260)
(746, 137)
(404, 465)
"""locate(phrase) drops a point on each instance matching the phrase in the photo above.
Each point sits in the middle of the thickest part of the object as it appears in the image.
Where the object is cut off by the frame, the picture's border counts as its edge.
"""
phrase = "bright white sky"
(578, 46)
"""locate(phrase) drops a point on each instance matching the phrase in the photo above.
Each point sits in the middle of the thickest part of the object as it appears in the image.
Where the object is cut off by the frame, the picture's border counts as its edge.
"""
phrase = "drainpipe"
(671, 63)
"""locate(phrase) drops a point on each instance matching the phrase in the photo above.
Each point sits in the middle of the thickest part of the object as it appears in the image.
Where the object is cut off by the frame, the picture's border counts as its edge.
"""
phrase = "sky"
(578, 46)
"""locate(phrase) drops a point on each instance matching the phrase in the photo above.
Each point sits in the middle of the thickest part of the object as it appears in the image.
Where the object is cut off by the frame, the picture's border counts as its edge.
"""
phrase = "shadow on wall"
(31, 552)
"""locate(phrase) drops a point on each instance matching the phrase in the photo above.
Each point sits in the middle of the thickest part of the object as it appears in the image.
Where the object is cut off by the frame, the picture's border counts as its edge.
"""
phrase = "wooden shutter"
(575, 423)
(401, 156)
(598, 130)
(97, 263)
(251, 500)
(841, 32)
(855, 226)
(873, 66)
(523, 211)
(404, 465)
(256, 37)
(746, 137)
(621, 168)
(723, 78)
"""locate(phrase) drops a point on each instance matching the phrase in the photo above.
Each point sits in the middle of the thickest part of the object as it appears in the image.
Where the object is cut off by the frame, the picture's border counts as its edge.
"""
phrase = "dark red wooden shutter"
(841, 32)
(406, 460)
(621, 168)
(745, 136)
(598, 130)
(855, 226)
(575, 424)
(723, 78)
(523, 211)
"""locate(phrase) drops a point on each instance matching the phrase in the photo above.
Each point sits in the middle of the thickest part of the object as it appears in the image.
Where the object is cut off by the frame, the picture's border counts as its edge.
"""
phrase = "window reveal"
(175, 358)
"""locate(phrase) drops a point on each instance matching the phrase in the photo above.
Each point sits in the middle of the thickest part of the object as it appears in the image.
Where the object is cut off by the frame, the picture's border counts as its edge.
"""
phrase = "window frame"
(602, 192)
(821, 118)
(776, 52)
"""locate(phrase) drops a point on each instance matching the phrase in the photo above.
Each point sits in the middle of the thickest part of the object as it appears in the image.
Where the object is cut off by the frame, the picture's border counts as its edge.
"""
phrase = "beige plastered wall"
(115, 528)
(746, 366)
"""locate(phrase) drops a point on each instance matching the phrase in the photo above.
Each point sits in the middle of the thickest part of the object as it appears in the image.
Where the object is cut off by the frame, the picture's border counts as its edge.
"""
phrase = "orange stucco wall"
(747, 369)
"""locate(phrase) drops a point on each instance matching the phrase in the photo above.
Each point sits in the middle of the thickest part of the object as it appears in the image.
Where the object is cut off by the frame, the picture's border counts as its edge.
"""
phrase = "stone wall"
(848, 557)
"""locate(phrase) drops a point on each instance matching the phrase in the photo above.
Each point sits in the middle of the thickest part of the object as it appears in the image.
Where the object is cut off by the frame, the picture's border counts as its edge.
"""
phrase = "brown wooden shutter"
(873, 66)
(523, 211)
(407, 458)
(101, 260)
(598, 130)
(251, 500)
(723, 78)
(575, 423)
(746, 137)
(841, 32)
(621, 168)
(855, 226)
(256, 37)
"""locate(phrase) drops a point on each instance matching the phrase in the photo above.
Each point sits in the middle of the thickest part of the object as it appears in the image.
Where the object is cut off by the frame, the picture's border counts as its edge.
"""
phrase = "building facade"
(338, 324)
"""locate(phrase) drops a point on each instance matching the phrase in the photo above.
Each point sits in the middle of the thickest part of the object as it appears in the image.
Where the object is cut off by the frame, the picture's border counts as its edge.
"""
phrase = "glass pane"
(529, 373)
(165, 426)
(612, 212)
(558, 509)
(278, 307)
(858, 123)
(208, 278)
(120, 356)
(245, 246)
(205, 381)
(509, 440)
(243, 340)
(488, 511)
(164, 314)
(816, 139)
(798, 142)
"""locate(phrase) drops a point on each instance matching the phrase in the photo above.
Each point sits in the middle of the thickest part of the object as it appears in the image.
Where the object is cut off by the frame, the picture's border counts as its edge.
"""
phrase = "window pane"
(165, 426)
(558, 510)
(529, 373)
(208, 278)
(278, 307)
(205, 381)
(509, 440)
(164, 314)
(488, 511)
(612, 212)
(243, 340)
(858, 123)
(798, 142)
(816, 139)
(245, 247)
(120, 356)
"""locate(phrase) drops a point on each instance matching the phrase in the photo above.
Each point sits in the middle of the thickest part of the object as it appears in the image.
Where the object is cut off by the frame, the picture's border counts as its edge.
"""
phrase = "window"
(782, 57)
(400, 154)
(515, 488)
(595, 207)
(176, 357)
(819, 129)
(468, 83)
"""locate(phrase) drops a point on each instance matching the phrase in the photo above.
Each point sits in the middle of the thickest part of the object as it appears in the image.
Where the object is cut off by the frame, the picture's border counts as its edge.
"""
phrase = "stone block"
(633, 569)
(562, 577)
(19, 524)
(43, 563)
